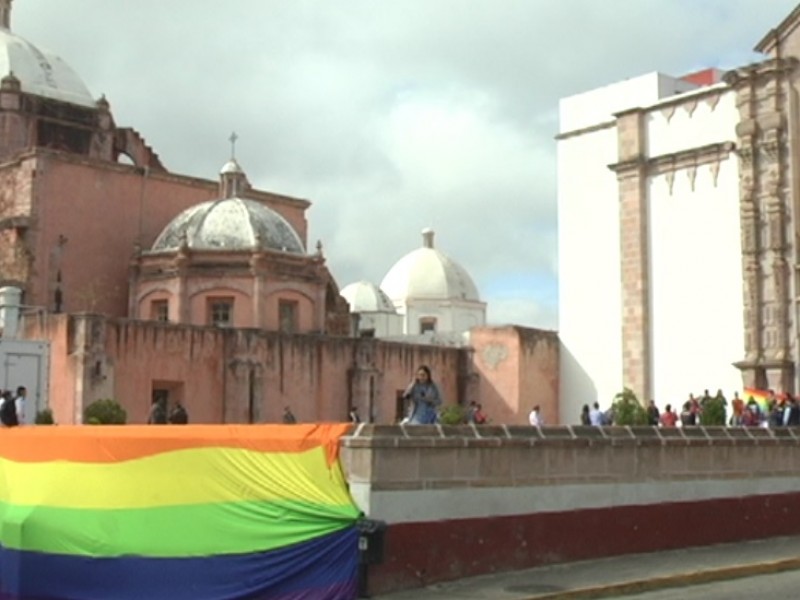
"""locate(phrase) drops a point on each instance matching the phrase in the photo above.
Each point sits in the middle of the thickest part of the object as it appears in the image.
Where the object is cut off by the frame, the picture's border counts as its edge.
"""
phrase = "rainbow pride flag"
(760, 396)
(175, 513)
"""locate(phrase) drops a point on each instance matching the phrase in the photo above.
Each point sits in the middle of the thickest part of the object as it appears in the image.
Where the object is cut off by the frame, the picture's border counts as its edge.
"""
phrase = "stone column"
(634, 255)
(766, 205)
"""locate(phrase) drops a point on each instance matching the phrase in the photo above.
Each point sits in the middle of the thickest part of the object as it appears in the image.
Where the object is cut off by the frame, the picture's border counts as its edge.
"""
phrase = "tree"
(713, 412)
(628, 410)
(45, 417)
(105, 412)
(453, 414)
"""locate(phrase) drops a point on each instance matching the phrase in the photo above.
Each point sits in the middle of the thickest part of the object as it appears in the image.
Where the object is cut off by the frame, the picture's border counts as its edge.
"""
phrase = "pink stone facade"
(85, 218)
(248, 375)
(516, 369)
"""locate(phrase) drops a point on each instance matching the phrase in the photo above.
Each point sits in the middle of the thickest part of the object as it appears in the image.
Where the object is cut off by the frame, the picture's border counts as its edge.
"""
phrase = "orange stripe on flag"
(115, 443)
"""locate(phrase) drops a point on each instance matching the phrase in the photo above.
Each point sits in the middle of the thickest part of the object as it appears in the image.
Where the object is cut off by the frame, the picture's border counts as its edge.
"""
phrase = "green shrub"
(713, 411)
(105, 412)
(45, 417)
(628, 410)
(453, 414)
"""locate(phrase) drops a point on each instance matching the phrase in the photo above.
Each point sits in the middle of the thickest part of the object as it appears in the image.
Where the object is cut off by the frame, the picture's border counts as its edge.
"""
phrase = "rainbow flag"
(175, 513)
(760, 396)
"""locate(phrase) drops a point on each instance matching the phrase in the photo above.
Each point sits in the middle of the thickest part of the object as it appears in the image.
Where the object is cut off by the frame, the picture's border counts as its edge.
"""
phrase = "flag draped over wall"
(175, 513)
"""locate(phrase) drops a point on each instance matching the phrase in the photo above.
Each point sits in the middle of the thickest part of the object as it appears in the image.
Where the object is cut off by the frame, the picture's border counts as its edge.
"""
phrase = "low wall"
(463, 501)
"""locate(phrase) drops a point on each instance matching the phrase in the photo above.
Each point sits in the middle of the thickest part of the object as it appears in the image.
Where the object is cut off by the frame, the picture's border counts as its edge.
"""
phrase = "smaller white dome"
(426, 273)
(365, 296)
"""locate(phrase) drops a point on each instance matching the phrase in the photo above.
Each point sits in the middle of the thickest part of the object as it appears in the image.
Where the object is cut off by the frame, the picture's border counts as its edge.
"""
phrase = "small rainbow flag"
(175, 513)
(760, 396)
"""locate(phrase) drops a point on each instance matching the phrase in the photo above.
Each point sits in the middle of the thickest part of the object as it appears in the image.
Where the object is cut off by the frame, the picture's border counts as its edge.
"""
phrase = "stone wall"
(464, 501)
(237, 375)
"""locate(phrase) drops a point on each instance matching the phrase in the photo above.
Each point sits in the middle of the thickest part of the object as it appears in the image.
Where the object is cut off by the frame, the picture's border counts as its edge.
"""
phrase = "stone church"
(689, 203)
(147, 284)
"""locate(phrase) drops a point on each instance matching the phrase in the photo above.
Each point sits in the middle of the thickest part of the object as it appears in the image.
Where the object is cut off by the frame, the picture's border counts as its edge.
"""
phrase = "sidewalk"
(615, 577)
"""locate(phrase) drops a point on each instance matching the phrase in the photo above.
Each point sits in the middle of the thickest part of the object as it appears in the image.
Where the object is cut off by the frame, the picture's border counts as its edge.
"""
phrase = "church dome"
(230, 224)
(365, 296)
(41, 73)
(426, 273)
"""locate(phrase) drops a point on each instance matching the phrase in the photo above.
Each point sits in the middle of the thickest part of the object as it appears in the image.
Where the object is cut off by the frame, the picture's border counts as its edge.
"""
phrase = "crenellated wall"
(463, 501)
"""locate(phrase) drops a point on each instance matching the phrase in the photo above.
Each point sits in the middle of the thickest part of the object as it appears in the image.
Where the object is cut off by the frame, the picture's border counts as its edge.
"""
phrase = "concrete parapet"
(455, 456)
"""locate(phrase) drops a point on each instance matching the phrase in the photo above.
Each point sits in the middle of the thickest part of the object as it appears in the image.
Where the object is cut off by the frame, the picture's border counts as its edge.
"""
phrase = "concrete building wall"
(591, 108)
(654, 195)
(693, 120)
(590, 313)
(697, 331)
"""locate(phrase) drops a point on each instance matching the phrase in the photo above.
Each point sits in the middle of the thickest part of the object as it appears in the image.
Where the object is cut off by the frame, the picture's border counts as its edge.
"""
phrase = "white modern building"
(650, 254)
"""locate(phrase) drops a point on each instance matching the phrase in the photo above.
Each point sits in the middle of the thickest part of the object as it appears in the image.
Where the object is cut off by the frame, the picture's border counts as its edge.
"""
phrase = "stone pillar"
(258, 272)
(766, 204)
(635, 260)
(182, 309)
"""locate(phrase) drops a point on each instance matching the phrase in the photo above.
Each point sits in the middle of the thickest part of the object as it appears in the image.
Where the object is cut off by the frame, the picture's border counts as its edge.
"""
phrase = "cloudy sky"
(390, 116)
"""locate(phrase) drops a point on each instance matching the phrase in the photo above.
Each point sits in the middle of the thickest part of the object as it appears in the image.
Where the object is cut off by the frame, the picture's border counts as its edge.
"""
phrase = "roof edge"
(774, 35)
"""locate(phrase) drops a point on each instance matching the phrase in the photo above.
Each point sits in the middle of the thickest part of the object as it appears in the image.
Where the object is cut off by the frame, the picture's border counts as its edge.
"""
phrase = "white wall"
(450, 316)
(384, 324)
(697, 328)
(589, 273)
(692, 124)
(599, 105)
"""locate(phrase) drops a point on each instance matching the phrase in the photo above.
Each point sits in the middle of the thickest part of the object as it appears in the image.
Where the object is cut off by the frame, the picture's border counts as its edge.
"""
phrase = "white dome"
(229, 224)
(41, 73)
(365, 296)
(426, 273)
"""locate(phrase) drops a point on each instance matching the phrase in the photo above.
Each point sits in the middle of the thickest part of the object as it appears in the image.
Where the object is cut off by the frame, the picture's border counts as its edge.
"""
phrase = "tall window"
(287, 316)
(427, 324)
(159, 310)
(220, 311)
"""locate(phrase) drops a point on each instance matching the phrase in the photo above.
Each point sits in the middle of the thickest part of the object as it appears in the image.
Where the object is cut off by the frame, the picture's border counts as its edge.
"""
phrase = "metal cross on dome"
(232, 140)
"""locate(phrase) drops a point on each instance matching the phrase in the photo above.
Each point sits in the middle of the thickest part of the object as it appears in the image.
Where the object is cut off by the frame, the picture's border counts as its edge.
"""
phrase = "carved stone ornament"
(670, 178)
(771, 150)
(691, 172)
(714, 166)
(713, 100)
(745, 154)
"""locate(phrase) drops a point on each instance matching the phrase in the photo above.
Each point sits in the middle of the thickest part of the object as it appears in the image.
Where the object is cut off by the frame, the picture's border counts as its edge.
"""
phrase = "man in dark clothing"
(288, 416)
(158, 413)
(178, 416)
(8, 410)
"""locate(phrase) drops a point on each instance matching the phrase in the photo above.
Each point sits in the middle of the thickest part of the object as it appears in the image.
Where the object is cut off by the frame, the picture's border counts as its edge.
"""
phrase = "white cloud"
(389, 116)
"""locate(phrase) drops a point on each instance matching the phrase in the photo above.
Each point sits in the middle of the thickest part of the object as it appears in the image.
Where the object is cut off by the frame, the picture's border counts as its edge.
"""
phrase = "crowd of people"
(761, 410)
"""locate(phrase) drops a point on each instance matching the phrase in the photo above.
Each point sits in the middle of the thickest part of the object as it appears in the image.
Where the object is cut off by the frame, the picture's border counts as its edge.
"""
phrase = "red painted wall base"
(418, 554)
